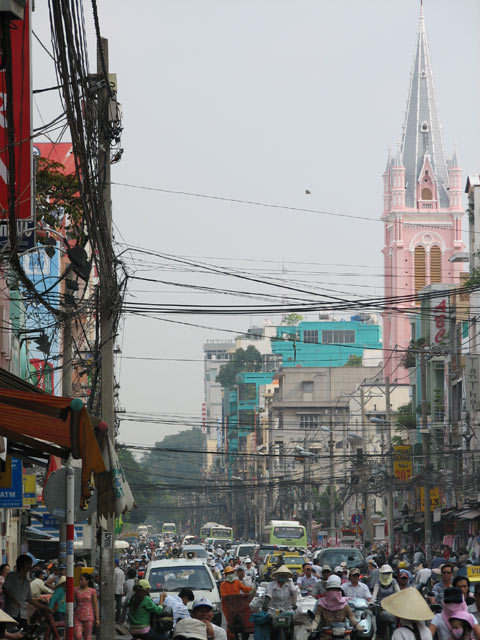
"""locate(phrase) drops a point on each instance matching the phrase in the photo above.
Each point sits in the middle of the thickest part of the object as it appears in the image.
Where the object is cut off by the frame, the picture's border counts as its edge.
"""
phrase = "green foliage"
(406, 416)
(292, 319)
(178, 469)
(474, 279)
(57, 195)
(249, 359)
(354, 361)
(321, 512)
(139, 482)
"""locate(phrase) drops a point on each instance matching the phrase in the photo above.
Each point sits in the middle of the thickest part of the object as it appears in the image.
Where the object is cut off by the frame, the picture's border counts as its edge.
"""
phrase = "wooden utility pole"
(107, 596)
(332, 480)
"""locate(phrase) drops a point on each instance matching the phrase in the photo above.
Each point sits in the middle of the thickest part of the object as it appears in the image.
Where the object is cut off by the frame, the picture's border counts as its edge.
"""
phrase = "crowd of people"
(452, 601)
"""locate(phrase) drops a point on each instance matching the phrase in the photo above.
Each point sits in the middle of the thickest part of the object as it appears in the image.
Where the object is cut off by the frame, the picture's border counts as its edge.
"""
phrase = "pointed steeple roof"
(422, 131)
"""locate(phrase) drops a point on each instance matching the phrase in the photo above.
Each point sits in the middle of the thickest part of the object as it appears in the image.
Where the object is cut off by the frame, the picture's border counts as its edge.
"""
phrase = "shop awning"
(469, 514)
(38, 425)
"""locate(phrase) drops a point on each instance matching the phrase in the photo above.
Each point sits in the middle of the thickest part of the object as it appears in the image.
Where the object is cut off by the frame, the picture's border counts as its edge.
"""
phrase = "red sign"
(439, 323)
(22, 114)
(204, 417)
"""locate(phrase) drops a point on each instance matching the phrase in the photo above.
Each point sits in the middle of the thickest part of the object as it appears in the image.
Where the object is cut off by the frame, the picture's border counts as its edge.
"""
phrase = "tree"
(57, 196)
(249, 359)
(354, 361)
(151, 494)
(406, 416)
(292, 319)
(178, 468)
(322, 506)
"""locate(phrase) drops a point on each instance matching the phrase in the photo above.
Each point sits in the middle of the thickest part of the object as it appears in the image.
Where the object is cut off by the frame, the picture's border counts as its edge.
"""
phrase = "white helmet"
(386, 568)
(334, 582)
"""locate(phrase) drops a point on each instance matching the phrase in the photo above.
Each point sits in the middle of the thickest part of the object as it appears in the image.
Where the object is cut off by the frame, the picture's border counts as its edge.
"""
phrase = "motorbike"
(362, 612)
(338, 630)
(282, 621)
(302, 617)
(385, 622)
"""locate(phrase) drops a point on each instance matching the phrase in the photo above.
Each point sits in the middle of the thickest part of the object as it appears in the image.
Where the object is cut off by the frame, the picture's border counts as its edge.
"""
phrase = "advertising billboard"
(22, 126)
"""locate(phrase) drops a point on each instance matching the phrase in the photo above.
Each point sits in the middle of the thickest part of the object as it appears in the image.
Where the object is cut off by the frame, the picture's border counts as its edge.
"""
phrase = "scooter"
(364, 615)
(303, 619)
(338, 630)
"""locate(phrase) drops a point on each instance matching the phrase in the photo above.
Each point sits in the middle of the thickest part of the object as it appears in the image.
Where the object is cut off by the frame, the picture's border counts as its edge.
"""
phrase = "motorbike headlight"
(338, 632)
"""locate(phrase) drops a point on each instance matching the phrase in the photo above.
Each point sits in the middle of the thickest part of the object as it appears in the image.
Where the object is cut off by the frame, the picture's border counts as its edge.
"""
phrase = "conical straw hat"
(4, 617)
(283, 570)
(407, 604)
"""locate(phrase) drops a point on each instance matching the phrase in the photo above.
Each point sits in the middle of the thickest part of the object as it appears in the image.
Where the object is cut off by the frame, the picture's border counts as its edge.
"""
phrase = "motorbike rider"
(403, 579)
(445, 582)
(475, 608)
(307, 580)
(333, 607)
(320, 587)
(373, 574)
(356, 589)
(280, 593)
(453, 604)
(250, 570)
(411, 611)
(385, 587)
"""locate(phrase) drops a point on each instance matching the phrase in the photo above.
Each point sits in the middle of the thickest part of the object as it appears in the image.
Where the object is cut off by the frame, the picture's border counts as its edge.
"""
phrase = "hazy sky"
(259, 100)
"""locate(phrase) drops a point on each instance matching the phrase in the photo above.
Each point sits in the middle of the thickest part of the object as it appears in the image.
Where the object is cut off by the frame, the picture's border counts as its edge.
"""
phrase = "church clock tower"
(422, 210)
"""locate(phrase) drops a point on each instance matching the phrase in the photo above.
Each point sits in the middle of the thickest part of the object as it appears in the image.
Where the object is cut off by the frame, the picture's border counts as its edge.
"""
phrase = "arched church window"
(420, 270)
(435, 265)
(426, 194)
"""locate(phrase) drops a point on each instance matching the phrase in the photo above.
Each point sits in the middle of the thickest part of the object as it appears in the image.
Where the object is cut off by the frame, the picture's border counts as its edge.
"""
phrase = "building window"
(309, 420)
(338, 337)
(310, 336)
(426, 194)
(435, 265)
(420, 276)
(307, 386)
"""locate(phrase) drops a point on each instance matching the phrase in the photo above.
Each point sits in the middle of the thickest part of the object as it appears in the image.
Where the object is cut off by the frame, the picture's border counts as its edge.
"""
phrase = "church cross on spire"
(422, 133)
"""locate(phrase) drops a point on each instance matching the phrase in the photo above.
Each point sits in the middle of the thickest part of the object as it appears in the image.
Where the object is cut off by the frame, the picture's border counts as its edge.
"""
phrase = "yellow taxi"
(291, 559)
(473, 573)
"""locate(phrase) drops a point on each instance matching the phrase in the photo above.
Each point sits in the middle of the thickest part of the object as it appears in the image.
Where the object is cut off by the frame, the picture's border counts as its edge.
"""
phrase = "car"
(294, 561)
(175, 573)
(194, 551)
(333, 556)
(246, 550)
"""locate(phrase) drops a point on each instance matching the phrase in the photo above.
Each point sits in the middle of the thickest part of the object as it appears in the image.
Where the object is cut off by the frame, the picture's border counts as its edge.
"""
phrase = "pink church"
(422, 211)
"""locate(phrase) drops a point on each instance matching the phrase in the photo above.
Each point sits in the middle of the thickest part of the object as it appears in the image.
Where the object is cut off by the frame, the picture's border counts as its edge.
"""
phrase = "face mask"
(334, 596)
(282, 580)
(457, 633)
(385, 579)
(230, 577)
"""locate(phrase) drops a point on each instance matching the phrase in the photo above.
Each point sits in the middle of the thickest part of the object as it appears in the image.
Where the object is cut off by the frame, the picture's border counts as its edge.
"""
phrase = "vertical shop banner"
(435, 499)
(11, 497)
(29, 490)
(439, 320)
(22, 123)
(402, 462)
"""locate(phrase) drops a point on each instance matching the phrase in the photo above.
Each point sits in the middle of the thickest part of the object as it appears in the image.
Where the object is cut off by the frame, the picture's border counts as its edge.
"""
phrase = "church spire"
(422, 133)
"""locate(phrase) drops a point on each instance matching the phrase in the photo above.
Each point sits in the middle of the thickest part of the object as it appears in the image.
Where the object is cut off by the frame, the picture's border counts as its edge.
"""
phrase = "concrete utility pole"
(389, 467)
(332, 480)
(367, 526)
(426, 459)
(107, 598)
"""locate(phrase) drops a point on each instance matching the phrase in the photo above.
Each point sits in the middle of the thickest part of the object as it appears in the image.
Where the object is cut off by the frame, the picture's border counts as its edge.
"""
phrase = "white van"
(175, 573)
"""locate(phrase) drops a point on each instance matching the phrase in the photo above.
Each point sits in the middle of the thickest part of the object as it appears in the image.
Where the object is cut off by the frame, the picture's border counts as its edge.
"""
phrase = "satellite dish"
(55, 499)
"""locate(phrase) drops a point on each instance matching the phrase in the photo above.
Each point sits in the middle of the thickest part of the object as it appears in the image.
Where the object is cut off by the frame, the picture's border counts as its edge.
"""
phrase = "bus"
(169, 528)
(284, 533)
(214, 531)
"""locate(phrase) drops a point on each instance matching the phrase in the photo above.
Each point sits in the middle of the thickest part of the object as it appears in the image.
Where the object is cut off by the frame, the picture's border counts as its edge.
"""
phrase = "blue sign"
(49, 521)
(357, 518)
(12, 497)
(25, 234)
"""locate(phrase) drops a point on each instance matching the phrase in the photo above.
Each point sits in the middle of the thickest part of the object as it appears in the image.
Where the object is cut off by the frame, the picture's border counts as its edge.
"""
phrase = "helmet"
(402, 564)
(386, 568)
(334, 582)
(228, 569)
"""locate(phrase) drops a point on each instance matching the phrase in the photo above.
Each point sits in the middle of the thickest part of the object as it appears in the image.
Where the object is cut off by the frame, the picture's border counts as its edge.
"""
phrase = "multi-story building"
(422, 210)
